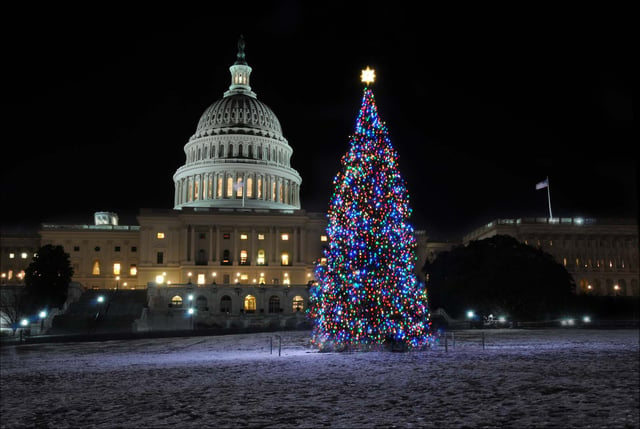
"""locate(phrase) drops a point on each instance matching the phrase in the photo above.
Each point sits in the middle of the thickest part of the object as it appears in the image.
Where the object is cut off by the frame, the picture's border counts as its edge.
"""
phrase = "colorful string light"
(366, 292)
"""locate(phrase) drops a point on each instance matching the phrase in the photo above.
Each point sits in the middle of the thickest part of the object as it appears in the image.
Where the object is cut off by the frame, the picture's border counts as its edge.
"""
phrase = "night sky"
(481, 104)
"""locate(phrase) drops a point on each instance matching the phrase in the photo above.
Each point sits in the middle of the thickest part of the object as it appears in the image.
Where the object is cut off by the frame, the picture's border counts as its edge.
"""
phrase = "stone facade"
(600, 254)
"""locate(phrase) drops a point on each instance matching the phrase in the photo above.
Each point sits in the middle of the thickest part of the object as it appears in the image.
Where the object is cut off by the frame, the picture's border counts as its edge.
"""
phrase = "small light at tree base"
(368, 75)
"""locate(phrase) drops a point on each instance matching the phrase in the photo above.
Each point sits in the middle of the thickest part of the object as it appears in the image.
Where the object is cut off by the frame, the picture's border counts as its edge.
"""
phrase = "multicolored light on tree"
(367, 293)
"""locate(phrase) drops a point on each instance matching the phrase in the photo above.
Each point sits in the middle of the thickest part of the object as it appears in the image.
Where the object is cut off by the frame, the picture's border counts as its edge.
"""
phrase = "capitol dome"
(238, 157)
(238, 111)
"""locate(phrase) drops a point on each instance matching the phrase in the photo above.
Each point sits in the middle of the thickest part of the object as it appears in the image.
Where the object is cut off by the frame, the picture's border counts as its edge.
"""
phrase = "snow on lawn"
(557, 378)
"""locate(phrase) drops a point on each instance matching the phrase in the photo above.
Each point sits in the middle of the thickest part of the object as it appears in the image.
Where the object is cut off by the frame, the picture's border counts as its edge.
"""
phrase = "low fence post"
(483, 341)
(446, 346)
(279, 344)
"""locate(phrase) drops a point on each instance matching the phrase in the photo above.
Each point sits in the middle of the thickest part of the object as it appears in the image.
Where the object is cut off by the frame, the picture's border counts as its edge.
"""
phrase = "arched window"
(249, 187)
(230, 151)
(239, 187)
(260, 259)
(225, 304)
(250, 304)
(226, 257)
(274, 304)
(96, 268)
(244, 257)
(298, 303)
(229, 187)
(201, 303)
(176, 301)
(284, 258)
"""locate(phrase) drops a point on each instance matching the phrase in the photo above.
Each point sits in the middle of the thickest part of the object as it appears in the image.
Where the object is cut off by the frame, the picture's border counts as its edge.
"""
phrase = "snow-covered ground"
(557, 378)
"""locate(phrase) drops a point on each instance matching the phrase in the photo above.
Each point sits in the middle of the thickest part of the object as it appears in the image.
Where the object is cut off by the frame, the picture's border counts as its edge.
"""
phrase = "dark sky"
(481, 104)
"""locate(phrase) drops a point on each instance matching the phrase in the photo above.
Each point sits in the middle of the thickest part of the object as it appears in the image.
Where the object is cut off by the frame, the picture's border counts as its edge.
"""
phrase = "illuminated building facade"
(600, 254)
(237, 247)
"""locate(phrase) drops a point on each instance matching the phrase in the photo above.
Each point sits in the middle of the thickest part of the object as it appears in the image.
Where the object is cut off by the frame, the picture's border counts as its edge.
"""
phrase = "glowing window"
(284, 258)
(250, 303)
(133, 270)
(243, 257)
(323, 261)
(323, 238)
(259, 188)
(219, 190)
(176, 301)
(201, 279)
(116, 269)
(260, 260)
(284, 237)
(12, 255)
(239, 187)
(244, 276)
(96, 268)
(260, 236)
(23, 255)
(243, 236)
(298, 303)
(250, 187)
(229, 187)
(160, 236)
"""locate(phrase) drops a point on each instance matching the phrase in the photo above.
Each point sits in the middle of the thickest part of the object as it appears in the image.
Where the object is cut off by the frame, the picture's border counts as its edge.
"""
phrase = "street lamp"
(42, 315)
(189, 274)
(24, 323)
(191, 311)
(117, 282)
(100, 300)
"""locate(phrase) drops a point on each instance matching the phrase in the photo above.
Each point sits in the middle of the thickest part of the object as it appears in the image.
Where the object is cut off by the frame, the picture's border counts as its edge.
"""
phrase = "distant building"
(600, 254)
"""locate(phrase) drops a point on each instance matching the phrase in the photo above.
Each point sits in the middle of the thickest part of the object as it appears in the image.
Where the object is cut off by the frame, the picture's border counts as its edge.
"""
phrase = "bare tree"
(13, 302)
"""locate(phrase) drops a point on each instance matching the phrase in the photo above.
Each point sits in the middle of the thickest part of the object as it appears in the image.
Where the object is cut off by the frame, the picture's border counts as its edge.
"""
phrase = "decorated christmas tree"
(367, 294)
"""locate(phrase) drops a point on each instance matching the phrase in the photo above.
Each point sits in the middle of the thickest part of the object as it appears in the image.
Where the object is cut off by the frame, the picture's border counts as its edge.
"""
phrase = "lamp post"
(117, 282)
(100, 301)
(42, 315)
(470, 316)
(191, 311)
(189, 274)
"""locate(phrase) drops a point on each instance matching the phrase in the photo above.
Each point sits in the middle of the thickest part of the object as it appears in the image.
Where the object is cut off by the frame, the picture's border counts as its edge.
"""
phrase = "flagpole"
(549, 197)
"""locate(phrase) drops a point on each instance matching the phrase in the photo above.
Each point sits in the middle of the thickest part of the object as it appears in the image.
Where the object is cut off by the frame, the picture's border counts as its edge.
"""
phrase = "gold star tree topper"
(368, 75)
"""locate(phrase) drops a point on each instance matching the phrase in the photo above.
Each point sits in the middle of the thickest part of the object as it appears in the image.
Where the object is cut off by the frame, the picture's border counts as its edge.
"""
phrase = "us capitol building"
(238, 250)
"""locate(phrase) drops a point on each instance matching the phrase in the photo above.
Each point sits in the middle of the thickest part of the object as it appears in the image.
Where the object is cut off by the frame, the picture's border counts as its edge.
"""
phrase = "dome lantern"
(240, 73)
